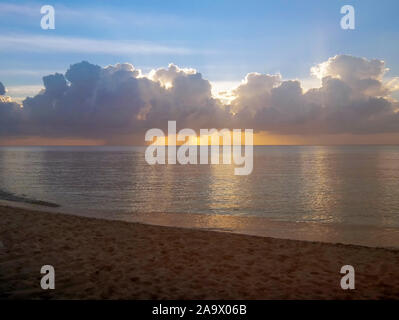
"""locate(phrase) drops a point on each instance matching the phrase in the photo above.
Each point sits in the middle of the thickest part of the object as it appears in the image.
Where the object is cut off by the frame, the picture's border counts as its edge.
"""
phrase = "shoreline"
(314, 231)
(12, 198)
(104, 259)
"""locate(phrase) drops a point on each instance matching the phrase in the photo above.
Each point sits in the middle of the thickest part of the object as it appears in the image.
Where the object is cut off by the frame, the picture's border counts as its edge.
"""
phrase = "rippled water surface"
(352, 185)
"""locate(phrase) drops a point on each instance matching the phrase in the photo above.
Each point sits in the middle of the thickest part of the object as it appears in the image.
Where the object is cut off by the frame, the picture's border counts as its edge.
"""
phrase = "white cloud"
(26, 10)
(19, 93)
(24, 72)
(35, 43)
(93, 15)
(352, 98)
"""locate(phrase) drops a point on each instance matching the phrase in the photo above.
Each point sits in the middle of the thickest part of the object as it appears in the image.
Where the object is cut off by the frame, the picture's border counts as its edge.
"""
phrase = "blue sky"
(224, 40)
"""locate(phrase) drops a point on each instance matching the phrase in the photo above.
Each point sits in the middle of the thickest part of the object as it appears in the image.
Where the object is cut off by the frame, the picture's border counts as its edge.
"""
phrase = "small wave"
(4, 195)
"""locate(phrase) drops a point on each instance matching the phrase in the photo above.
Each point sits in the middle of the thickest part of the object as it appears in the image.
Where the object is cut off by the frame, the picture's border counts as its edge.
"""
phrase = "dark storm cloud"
(94, 102)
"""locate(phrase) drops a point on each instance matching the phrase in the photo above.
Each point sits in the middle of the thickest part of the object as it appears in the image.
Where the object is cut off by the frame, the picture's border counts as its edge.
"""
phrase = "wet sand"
(102, 259)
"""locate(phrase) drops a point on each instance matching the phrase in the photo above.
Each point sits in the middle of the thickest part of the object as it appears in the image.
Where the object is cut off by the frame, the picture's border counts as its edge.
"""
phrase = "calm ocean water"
(351, 185)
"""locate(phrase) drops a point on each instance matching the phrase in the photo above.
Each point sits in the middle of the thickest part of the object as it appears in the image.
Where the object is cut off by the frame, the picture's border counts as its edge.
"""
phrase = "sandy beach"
(99, 259)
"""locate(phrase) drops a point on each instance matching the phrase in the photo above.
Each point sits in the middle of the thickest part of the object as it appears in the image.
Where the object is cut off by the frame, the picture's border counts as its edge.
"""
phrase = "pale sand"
(99, 259)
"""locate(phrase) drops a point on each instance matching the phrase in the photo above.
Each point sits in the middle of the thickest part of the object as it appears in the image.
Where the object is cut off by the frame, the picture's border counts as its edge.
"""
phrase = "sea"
(334, 191)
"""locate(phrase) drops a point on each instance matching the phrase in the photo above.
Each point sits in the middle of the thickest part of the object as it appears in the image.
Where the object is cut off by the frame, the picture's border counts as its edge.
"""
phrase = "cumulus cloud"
(362, 75)
(90, 101)
(353, 98)
(95, 102)
(254, 93)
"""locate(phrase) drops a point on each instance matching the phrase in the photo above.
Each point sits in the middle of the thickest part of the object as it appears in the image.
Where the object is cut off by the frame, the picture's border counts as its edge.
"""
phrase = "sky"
(224, 42)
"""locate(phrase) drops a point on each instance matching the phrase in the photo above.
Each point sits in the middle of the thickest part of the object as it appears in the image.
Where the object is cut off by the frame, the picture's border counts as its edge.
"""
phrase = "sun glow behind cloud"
(117, 102)
(222, 137)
